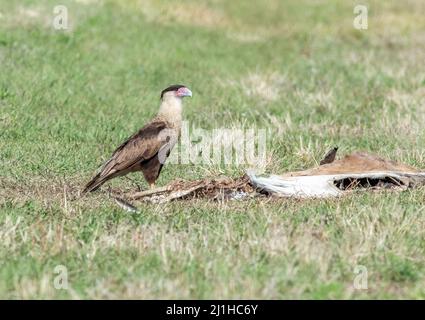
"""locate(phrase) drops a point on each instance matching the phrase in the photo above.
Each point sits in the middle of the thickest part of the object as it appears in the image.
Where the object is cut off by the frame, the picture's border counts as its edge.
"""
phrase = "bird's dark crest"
(174, 87)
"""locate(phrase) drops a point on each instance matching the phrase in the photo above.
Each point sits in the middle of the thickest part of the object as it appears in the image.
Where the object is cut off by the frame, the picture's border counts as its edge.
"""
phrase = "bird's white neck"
(171, 110)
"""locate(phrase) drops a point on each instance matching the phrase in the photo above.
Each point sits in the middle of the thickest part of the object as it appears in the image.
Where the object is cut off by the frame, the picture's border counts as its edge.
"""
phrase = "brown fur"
(358, 162)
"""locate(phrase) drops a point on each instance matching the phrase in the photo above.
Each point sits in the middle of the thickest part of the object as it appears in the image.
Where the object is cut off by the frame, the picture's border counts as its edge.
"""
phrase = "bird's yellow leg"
(152, 186)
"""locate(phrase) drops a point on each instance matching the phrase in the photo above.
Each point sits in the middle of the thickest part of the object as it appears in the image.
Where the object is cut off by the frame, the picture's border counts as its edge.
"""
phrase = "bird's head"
(172, 102)
(176, 91)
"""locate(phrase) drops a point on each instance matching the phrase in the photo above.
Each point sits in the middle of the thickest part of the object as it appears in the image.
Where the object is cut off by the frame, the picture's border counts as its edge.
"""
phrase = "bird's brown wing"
(144, 144)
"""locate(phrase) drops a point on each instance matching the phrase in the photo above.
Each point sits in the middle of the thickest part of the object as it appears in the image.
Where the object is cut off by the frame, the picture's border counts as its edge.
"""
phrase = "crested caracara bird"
(147, 149)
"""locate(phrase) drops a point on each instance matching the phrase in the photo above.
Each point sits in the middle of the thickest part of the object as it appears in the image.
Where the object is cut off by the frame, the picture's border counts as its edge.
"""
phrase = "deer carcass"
(356, 171)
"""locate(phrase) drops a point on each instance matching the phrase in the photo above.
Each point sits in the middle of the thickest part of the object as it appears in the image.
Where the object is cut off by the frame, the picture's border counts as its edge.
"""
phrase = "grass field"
(297, 68)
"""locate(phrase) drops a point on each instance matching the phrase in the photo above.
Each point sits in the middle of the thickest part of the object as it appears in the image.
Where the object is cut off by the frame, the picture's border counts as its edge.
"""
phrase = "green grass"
(68, 98)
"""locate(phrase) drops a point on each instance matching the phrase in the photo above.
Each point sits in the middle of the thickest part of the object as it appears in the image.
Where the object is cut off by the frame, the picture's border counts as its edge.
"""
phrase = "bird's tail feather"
(94, 183)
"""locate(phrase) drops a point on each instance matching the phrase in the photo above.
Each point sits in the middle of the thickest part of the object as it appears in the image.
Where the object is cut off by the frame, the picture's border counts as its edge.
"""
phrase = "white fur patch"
(316, 186)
